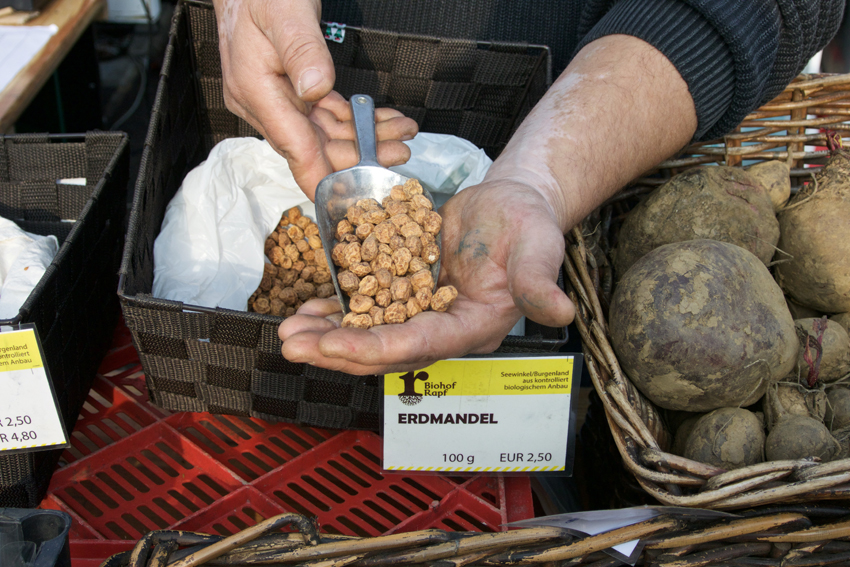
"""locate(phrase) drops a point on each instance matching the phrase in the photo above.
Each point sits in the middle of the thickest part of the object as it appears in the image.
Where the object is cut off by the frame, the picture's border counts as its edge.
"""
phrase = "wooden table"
(72, 17)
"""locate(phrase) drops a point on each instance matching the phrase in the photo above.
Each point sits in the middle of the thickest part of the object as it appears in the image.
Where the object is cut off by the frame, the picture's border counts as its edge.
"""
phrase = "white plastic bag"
(210, 249)
(24, 258)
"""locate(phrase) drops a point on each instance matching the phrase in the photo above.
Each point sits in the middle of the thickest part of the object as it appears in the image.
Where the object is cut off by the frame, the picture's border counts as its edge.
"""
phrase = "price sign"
(29, 414)
(508, 414)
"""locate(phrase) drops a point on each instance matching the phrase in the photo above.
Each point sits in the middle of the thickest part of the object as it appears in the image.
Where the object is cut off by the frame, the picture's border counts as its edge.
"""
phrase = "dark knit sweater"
(734, 54)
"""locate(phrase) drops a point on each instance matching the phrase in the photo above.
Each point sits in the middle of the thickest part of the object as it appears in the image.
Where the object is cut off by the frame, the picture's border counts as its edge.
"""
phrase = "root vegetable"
(729, 438)
(800, 437)
(838, 409)
(717, 203)
(701, 324)
(814, 235)
(833, 362)
(842, 319)
(775, 177)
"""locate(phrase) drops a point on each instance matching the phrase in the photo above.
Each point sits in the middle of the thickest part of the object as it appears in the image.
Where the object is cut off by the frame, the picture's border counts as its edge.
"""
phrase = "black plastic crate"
(74, 306)
(222, 361)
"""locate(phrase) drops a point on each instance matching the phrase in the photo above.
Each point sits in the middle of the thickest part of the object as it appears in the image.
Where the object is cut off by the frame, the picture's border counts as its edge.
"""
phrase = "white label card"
(508, 414)
(29, 416)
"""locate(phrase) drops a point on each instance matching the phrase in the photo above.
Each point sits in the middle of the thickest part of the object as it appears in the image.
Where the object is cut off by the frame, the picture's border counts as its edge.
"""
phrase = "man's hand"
(278, 76)
(502, 249)
(618, 109)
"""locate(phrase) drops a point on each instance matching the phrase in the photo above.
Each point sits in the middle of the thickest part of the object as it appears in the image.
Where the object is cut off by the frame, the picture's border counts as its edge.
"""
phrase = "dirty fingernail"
(309, 79)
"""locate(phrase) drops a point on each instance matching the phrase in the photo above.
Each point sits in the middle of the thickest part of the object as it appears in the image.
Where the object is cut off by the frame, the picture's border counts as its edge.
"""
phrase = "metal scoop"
(368, 179)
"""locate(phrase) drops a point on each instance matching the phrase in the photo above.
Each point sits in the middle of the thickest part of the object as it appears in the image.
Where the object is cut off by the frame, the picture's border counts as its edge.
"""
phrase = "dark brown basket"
(794, 128)
(74, 306)
(800, 537)
(223, 361)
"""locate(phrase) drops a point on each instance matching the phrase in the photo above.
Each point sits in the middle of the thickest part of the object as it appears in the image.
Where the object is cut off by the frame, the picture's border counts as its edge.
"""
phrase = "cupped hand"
(278, 76)
(502, 249)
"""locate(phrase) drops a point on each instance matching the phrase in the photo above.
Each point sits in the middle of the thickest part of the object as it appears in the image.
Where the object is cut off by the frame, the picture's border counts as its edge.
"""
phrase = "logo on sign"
(410, 397)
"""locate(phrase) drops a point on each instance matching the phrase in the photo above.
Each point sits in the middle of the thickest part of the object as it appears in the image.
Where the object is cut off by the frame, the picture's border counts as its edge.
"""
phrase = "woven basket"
(200, 359)
(790, 128)
(74, 306)
(793, 537)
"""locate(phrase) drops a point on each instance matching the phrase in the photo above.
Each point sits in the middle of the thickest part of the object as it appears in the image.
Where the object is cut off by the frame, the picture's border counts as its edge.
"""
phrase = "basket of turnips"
(713, 302)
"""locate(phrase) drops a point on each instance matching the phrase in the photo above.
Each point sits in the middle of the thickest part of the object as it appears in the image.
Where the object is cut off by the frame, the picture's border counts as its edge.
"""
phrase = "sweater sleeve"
(734, 55)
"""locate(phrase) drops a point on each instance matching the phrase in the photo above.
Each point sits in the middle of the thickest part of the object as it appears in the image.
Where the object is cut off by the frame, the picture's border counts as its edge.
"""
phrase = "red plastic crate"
(134, 468)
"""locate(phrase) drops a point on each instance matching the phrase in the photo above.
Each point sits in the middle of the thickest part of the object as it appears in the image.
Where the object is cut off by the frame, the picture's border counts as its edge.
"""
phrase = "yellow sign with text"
(485, 377)
(19, 351)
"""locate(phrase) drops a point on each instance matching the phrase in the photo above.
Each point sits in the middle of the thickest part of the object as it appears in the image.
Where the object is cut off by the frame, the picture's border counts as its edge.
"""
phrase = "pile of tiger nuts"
(298, 270)
(386, 251)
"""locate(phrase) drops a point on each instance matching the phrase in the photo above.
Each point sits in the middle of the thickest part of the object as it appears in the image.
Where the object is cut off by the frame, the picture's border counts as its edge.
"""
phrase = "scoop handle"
(363, 109)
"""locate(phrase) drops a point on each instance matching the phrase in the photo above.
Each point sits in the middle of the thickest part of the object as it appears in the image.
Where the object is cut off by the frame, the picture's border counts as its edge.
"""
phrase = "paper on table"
(18, 45)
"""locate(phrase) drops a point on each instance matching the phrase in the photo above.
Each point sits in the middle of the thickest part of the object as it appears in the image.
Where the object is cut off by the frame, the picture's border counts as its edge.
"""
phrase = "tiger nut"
(283, 239)
(423, 296)
(417, 265)
(305, 290)
(400, 220)
(303, 222)
(443, 298)
(385, 249)
(412, 187)
(360, 269)
(377, 315)
(320, 259)
(384, 261)
(395, 208)
(363, 230)
(368, 286)
(299, 265)
(418, 215)
(292, 252)
(343, 227)
(294, 214)
(288, 296)
(307, 273)
(368, 204)
(350, 238)
(276, 255)
(322, 275)
(413, 307)
(397, 193)
(262, 305)
(288, 277)
(302, 245)
(413, 244)
(369, 248)
(401, 289)
(395, 312)
(309, 256)
(421, 202)
(432, 222)
(269, 244)
(375, 216)
(348, 282)
(357, 320)
(295, 233)
(385, 231)
(351, 253)
(396, 242)
(401, 261)
(384, 277)
(360, 303)
(325, 290)
(354, 215)
(314, 241)
(311, 230)
(430, 253)
(277, 307)
(423, 279)
(266, 282)
(338, 255)
(411, 229)
(384, 297)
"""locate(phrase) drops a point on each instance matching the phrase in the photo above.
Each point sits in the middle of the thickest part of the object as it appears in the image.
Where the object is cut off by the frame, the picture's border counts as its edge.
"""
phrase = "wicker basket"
(74, 306)
(793, 537)
(201, 359)
(789, 128)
